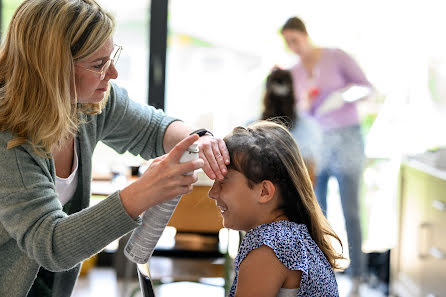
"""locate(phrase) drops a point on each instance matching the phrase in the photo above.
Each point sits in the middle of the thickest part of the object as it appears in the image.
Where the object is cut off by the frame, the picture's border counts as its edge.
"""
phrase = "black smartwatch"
(202, 132)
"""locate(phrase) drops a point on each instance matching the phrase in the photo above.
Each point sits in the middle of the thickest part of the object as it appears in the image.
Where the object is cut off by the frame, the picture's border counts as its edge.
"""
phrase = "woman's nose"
(112, 72)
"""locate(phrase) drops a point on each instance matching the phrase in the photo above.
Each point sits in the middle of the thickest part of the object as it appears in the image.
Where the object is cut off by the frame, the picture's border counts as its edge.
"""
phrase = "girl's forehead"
(232, 173)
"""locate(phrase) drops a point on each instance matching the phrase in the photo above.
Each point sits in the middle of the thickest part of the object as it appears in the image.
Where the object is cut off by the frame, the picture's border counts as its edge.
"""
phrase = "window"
(132, 24)
(132, 33)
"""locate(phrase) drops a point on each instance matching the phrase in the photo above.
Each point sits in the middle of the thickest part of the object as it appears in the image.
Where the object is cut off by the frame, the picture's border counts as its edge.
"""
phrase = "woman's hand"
(163, 180)
(213, 151)
(215, 155)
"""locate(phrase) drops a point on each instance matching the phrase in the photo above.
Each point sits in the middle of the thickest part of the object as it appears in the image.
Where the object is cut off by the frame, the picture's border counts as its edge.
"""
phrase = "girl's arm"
(262, 274)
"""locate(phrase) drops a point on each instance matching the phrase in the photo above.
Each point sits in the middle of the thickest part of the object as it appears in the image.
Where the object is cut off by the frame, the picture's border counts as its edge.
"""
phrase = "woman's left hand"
(215, 155)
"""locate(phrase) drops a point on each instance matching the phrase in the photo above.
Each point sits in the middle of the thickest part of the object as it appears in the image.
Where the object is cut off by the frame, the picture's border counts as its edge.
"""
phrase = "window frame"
(157, 53)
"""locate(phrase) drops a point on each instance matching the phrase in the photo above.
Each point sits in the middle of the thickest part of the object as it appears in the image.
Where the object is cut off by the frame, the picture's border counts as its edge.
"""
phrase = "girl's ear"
(268, 191)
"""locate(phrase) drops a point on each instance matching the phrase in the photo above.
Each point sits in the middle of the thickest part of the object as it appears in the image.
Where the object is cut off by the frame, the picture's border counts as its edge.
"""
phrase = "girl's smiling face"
(237, 201)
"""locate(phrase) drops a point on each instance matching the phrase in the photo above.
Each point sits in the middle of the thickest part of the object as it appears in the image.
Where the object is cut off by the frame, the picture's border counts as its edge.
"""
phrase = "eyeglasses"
(114, 59)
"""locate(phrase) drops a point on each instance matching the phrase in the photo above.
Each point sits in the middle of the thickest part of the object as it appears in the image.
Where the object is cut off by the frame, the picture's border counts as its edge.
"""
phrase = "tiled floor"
(103, 282)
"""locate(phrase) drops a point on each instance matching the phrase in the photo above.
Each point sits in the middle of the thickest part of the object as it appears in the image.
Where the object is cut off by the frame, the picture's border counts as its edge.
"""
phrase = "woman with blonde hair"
(56, 104)
(267, 192)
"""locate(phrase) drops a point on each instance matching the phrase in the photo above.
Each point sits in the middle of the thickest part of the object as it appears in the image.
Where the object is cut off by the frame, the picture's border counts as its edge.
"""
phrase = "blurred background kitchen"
(205, 61)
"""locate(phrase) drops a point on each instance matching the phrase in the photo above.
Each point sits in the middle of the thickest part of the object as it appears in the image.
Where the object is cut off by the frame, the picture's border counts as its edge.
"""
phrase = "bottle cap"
(193, 148)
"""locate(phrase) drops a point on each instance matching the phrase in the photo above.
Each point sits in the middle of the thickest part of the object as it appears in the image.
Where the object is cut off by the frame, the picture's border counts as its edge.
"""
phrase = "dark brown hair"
(279, 101)
(294, 23)
(267, 151)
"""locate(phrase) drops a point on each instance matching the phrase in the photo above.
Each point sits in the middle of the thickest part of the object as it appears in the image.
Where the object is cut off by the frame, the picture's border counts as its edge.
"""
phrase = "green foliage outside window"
(8, 8)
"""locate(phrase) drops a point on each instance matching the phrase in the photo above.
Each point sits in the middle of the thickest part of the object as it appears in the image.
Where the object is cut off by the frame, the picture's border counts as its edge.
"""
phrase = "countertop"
(432, 162)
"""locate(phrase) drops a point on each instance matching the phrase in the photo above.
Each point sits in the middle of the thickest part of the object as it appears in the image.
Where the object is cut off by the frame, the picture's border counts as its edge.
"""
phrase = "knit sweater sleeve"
(126, 125)
(31, 214)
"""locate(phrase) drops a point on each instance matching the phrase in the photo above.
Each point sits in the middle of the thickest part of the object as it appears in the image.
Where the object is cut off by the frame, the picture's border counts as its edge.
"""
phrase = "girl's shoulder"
(289, 241)
(279, 231)
(294, 247)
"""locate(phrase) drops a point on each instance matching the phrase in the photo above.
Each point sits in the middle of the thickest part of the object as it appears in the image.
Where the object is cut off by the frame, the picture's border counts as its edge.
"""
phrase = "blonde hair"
(265, 150)
(38, 100)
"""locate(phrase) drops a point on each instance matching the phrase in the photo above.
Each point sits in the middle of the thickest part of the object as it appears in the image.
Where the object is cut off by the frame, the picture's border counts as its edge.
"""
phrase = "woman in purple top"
(321, 78)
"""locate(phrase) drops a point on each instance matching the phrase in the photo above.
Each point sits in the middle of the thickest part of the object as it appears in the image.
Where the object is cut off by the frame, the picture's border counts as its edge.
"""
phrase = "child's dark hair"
(266, 150)
(279, 102)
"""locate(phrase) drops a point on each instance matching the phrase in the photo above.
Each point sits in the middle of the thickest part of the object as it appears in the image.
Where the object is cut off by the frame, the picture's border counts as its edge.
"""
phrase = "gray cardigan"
(35, 231)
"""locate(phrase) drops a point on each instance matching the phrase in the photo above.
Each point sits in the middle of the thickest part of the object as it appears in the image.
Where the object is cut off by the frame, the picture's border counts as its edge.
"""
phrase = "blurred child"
(267, 192)
(279, 103)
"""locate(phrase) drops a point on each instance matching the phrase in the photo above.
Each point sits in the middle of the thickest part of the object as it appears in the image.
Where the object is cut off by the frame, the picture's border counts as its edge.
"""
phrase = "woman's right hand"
(163, 180)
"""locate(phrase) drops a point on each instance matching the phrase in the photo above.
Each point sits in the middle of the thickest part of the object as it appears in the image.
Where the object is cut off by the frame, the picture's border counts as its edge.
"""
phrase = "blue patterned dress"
(295, 248)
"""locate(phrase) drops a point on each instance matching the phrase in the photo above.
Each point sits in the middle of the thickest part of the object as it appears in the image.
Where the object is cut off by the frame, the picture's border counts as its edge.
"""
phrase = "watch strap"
(202, 132)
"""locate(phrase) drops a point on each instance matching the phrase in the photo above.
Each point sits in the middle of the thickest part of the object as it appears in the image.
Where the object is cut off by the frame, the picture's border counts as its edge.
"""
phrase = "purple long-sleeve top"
(334, 71)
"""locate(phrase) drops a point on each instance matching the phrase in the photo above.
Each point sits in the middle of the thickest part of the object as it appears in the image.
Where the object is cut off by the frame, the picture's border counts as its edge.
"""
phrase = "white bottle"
(143, 240)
